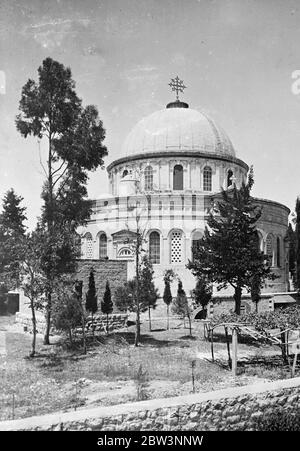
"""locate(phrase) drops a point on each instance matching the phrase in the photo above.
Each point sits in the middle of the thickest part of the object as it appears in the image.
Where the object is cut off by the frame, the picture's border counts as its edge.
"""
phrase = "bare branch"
(60, 176)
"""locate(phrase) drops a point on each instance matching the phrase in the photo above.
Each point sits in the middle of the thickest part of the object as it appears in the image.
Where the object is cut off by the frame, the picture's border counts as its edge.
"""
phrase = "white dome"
(175, 129)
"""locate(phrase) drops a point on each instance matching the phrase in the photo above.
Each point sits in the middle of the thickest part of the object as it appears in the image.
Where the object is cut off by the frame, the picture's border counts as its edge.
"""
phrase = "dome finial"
(177, 85)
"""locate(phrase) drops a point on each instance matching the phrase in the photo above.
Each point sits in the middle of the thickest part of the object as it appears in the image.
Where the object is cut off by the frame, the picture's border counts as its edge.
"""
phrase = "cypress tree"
(91, 298)
(107, 305)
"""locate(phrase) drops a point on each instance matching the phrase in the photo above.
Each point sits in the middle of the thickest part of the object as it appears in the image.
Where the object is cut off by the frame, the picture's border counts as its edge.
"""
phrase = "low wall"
(237, 408)
(115, 321)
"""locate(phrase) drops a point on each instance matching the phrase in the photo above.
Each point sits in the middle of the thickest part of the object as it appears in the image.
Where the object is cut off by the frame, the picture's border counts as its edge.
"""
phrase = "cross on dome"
(177, 85)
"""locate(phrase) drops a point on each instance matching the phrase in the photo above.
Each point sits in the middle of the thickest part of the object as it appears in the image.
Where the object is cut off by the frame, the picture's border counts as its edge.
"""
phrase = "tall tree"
(291, 236)
(107, 305)
(11, 226)
(228, 253)
(13, 214)
(50, 109)
(169, 276)
(149, 293)
(24, 270)
(91, 304)
(297, 234)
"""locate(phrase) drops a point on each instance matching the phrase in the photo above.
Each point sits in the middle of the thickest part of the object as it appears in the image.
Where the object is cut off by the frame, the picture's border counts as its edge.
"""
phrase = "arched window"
(178, 177)
(88, 245)
(176, 247)
(229, 178)
(125, 253)
(278, 256)
(154, 247)
(270, 249)
(207, 173)
(195, 242)
(148, 178)
(259, 241)
(125, 172)
(102, 246)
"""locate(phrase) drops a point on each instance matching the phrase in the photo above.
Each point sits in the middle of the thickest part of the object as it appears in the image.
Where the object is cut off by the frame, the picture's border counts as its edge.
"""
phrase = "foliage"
(13, 215)
(169, 276)
(126, 297)
(91, 298)
(107, 305)
(51, 109)
(167, 296)
(283, 318)
(148, 291)
(228, 253)
(281, 419)
(202, 293)
(141, 380)
(297, 234)
(11, 227)
(180, 305)
(24, 270)
(291, 236)
(256, 285)
(66, 308)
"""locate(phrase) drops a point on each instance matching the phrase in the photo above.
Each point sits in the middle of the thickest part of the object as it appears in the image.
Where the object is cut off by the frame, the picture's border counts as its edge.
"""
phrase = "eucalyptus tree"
(50, 110)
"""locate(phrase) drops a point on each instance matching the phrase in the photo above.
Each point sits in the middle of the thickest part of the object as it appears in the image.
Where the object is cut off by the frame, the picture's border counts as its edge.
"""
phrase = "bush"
(280, 420)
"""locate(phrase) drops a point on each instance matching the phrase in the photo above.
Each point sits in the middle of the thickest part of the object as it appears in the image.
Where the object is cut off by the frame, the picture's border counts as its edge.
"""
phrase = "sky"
(239, 60)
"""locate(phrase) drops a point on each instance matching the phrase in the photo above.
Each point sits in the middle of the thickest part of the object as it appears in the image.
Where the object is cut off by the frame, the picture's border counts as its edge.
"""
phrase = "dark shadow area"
(242, 339)
(188, 337)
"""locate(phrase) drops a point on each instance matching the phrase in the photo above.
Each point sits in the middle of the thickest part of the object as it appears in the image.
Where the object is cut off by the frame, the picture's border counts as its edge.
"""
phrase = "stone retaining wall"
(237, 408)
(115, 321)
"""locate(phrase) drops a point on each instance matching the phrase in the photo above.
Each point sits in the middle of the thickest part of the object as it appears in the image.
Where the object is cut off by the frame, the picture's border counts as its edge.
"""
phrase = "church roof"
(177, 128)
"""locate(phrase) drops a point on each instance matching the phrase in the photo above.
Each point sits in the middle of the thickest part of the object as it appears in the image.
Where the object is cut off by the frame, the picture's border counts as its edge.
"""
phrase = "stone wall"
(115, 271)
(115, 321)
(238, 408)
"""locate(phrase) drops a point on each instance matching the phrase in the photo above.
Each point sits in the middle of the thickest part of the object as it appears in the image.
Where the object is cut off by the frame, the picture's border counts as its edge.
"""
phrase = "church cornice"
(177, 155)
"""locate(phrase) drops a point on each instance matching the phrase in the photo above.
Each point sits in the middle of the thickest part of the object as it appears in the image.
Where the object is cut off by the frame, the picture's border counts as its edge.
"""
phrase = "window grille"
(207, 173)
(154, 247)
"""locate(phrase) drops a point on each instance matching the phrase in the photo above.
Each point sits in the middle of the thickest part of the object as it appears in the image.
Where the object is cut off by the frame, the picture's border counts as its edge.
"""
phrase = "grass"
(60, 378)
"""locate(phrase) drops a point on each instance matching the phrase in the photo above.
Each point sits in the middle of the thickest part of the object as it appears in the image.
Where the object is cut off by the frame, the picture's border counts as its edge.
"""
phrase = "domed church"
(172, 165)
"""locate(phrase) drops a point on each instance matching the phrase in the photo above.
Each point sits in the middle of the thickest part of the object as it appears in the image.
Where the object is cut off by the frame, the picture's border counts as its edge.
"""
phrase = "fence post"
(234, 351)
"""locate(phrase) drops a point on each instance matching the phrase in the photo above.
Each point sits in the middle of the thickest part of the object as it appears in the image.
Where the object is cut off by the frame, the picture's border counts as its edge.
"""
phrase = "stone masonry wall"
(115, 271)
(238, 408)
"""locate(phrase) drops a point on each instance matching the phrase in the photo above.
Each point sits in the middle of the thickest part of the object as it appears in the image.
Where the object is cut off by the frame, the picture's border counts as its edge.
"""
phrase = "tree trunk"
(83, 334)
(50, 224)
(107, 324)
(137, 328)
(93, 332)
(228, 347)
(283, 348)
(33, 344)
(149, 312)
(48, 320)
(237, 299)
(168, 323)
(190, 325)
